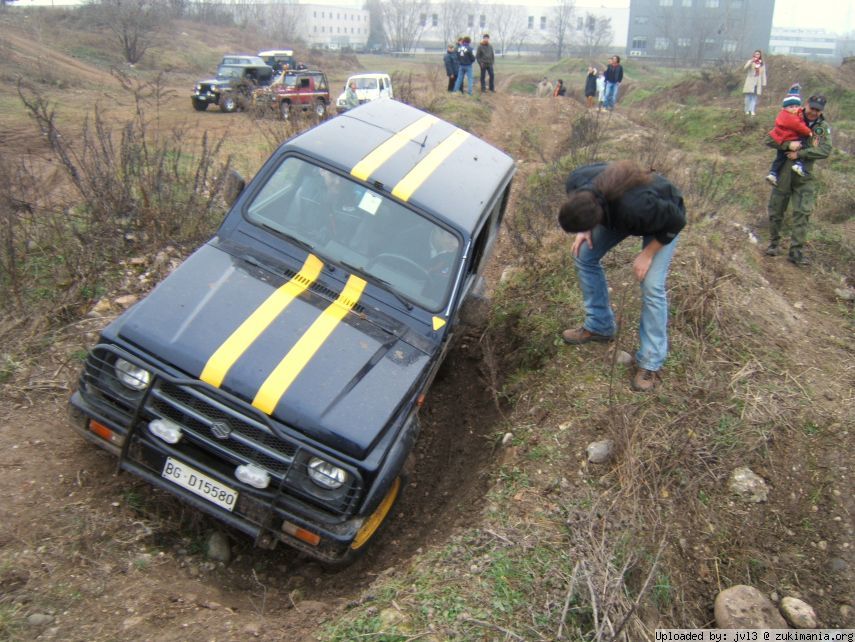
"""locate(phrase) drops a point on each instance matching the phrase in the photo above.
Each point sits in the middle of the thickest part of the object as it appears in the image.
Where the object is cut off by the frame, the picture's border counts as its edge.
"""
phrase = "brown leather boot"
(645, 380)
(578, 336)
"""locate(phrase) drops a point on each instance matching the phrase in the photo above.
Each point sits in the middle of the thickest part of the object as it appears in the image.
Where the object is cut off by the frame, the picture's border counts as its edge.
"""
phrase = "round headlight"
(131, 375)
(198, 87)
(325, 475)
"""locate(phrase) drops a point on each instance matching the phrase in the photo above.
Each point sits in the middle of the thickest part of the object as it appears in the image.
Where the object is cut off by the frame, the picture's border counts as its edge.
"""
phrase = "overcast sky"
(833, 15)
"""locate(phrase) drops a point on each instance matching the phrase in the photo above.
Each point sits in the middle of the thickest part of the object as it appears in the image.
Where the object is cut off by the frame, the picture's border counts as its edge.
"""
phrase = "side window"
(304, 83)
(489, 232)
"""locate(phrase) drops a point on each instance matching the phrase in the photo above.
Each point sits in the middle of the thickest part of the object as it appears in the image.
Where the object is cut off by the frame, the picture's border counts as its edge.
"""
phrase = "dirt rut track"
(107, 556)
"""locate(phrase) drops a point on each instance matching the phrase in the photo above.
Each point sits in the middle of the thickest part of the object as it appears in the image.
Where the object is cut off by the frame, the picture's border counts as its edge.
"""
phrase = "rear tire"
(199, 105)
(320, 109)
(228, 103)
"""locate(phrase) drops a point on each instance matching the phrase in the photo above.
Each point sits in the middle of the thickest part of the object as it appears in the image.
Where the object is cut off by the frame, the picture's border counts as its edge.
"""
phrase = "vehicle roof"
(244, 65)
(369, 74)
(277, 52)
(413, 155)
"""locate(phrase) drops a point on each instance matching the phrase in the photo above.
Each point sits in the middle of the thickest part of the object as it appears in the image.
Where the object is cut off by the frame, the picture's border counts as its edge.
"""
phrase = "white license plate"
(183, 475)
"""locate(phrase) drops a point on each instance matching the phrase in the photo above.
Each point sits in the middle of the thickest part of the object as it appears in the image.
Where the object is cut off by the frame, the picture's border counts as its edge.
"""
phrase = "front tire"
(285, 110)
(199, 105)
(228, 103)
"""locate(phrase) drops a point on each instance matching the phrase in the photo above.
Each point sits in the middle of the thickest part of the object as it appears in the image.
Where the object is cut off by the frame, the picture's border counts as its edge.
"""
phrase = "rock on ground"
(745, 607)
(798, 613)
(748, 485)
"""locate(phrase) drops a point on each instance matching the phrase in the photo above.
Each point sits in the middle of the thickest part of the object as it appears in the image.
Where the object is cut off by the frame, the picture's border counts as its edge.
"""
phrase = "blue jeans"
(610, 95)
(750, 103)
(465, 70)
(599, 317)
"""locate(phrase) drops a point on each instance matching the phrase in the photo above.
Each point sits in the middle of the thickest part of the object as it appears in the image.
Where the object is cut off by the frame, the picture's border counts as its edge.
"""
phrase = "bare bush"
(127, 188)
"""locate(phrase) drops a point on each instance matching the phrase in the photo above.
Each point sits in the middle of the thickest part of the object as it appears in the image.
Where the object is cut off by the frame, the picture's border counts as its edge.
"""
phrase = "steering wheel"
(401, 264)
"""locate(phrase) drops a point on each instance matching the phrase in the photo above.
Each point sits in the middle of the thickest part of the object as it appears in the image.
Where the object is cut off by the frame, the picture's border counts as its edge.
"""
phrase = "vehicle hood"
(343, 393)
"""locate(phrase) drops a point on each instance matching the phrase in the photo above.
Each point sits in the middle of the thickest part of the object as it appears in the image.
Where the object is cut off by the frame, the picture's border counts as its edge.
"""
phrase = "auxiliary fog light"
(253, 475)
(165, 430)
(325, 475)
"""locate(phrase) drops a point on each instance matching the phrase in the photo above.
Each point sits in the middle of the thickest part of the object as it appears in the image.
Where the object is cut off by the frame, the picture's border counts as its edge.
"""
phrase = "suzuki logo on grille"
(221, 429)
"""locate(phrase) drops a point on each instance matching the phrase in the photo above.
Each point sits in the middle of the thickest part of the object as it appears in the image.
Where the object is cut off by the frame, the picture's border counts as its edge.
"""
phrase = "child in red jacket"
(789, 126)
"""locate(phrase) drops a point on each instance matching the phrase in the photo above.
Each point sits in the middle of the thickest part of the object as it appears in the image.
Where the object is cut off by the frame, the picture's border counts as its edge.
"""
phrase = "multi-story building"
(818, 44)
(335, 26)
(698, 31)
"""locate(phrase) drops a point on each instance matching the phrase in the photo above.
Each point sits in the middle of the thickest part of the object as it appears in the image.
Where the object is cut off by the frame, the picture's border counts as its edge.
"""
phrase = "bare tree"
(402, 21)
(285, 22)
(133, 22)
(596, 33)
(453, 19)
(508, 24)
(561, 24)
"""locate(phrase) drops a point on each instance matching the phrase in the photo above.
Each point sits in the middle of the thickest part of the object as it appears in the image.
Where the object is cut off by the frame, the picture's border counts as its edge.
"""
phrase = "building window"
(661, 43)
(736, 4)
(531, 22)
(314, 14)
(666, 3)
(687, 3)
(482, 21)
(580, 24)
(434, 20)
(423, 20)
(470, 20)
(641, 20)
(543, 22)
(322, 15)
(711, 4)
(639, 43)
(728, 46)
(709, 42)
(684, 42)
(323, 29)
(338, 16)
(316, 29)
(590, 23)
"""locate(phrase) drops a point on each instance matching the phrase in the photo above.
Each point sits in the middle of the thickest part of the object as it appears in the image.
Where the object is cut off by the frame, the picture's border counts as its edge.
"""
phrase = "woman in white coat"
(755, 80)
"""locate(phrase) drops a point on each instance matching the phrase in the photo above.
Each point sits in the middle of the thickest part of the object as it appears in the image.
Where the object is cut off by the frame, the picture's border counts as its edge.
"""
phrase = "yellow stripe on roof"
(292, 364)
(427, 166)
(383, 152)
(248, 331)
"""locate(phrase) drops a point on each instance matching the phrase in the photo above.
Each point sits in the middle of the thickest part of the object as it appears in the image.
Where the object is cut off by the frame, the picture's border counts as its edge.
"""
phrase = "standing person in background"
(451, 66)
(614, 77)
(560, 89)
(591, 86)
(486, 58)
(798, 189)
(605, 204)
(544, 88)
(351, 99)
(465, 56)
(755, 80)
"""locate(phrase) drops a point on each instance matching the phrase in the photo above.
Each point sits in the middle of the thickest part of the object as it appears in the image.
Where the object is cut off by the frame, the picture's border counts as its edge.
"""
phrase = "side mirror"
(233, 186)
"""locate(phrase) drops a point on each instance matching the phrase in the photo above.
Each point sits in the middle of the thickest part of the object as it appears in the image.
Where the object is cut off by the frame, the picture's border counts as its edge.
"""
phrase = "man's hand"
(793, 155)
(642, 262)
(795, 145)
(582, 237)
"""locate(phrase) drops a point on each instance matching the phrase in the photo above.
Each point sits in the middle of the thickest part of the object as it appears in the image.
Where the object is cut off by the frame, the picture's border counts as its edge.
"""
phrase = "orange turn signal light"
(102, 431)
(301, 533)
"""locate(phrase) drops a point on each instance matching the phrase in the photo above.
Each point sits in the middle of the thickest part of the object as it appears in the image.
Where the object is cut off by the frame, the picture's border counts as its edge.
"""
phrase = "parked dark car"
(274, 379)
(292, 91)
(232, 87)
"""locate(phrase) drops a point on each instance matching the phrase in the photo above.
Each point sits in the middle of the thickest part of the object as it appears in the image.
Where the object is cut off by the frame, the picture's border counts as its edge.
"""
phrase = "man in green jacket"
(801, 190)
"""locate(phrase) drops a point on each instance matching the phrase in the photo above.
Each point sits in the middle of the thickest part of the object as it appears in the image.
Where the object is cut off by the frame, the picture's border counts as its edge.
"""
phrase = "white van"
(370, 86)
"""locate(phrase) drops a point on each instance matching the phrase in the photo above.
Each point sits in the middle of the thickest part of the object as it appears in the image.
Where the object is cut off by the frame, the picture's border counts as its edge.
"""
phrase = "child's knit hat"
(793, 97)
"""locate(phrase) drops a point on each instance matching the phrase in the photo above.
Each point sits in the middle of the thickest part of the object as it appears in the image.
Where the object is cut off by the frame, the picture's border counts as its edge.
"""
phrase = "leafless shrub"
(696, 293)
(405, 87)
(124, 189)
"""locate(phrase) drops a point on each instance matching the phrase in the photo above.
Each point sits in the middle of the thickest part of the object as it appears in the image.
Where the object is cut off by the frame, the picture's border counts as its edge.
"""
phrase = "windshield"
(364, 83)
(347, 223)
(225, 71)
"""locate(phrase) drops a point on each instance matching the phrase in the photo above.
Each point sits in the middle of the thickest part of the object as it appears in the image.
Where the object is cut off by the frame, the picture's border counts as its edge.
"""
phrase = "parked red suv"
(291, 90)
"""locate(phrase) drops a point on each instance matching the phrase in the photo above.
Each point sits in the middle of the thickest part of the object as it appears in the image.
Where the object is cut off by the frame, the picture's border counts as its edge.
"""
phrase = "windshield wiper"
(376, 279)
(303, 244)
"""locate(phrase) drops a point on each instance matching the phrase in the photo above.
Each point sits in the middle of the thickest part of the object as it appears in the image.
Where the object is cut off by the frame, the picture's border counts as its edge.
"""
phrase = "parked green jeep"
(274, 379)
(232, 87)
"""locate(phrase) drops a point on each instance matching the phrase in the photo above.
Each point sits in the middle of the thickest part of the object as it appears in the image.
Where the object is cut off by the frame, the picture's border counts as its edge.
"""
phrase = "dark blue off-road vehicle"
(274, 379)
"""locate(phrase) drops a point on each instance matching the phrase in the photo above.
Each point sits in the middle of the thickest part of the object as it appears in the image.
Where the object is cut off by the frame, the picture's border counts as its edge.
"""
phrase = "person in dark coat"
(605, 204)
(486, 58)
(560, 89)
(591, 86)
(451, 66)
(465, 57)
(614, 77)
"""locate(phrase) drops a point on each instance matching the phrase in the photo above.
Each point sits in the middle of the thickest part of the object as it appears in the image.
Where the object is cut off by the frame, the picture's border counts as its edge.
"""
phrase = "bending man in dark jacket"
(605, 204)
(451, 66)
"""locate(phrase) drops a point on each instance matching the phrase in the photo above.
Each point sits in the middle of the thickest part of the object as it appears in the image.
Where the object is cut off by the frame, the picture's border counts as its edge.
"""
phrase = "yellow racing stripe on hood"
(427, 166)
(292, 364)
(383, 152)
(248, 331)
